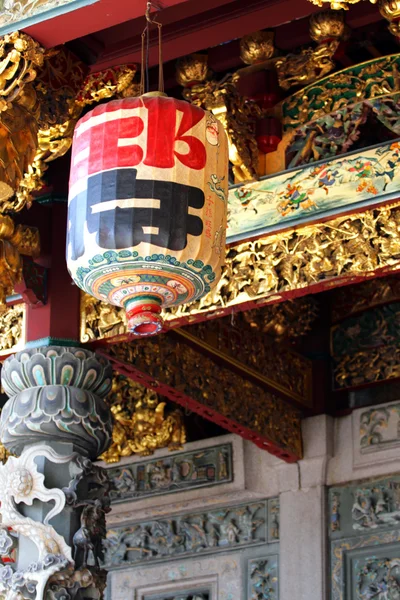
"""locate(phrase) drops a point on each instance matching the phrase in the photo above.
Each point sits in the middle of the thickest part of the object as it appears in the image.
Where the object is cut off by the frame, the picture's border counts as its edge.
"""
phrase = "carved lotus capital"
(56, 365)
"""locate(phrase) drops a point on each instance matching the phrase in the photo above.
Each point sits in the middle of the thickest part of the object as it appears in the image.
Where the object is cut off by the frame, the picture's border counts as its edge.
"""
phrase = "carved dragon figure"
(20, 482)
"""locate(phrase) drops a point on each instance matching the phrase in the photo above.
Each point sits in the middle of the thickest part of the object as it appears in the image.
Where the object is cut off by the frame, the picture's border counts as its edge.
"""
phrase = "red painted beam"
(96, 17)
(224, 23)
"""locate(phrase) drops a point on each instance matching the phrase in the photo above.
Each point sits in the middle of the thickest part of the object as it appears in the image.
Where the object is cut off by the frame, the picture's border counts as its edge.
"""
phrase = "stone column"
(303, 516)
(53, 499)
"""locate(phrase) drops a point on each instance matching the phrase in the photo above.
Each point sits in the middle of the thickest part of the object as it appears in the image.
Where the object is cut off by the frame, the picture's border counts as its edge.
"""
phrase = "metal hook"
(151, 5)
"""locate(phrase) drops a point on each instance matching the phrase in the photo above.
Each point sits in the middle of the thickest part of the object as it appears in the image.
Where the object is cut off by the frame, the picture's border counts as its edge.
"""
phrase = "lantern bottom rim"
(144, 318)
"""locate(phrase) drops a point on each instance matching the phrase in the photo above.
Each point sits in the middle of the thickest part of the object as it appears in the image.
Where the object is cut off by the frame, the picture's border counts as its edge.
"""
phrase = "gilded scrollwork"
(15, 241)
(338, 4)
(307, 66)
(12, 329)
(269, 267)
(328, 29)
(20, 59)
(286, 320)
(42, 95)
(241, 341)
(141, 424)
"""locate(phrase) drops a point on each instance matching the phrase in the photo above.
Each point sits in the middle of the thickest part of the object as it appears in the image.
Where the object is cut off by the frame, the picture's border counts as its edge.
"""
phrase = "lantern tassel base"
(143, 316)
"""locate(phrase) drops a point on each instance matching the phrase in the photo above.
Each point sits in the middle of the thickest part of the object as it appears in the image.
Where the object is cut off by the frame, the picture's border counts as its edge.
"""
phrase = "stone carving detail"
(45, 385)
(188, 534)
(66, 524)
(352, 555)
(14, 11)
(263, 579)
(377, 505)
(379, 579)
(273, 520)
(182, 596)
(21, 482)
(380, 428)
(335, 511)
(184, 471)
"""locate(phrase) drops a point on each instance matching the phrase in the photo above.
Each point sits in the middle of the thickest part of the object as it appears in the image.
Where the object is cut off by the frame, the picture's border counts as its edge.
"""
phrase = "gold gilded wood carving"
(327, 28)
(364, 82)
(236, 342)
(265, 269)
(12, 329)
(369, 366)
(364, 296)
(338, 4)
(20, 59)
(55, 134)
(14, 242)
(42, 95)
(237, 115)
(140, 423)
(286, 320)
(179, 366)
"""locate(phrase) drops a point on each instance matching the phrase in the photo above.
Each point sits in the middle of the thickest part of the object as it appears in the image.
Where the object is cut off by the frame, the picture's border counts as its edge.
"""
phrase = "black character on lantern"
(124, 211)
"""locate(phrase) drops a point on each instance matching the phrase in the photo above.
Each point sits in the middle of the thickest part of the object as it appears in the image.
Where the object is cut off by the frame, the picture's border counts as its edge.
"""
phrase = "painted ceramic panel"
(18, 14)
(314, 192)
(147, 203)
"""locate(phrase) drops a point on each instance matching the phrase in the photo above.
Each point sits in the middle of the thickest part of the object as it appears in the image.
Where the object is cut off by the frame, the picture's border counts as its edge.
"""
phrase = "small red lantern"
(268, 134)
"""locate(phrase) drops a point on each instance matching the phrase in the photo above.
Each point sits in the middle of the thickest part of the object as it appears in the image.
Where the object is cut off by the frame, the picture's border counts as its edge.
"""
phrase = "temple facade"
(200, 300)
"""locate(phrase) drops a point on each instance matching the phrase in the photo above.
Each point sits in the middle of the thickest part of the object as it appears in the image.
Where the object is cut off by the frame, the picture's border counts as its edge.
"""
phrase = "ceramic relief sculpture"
(53, 498)
(147, 205)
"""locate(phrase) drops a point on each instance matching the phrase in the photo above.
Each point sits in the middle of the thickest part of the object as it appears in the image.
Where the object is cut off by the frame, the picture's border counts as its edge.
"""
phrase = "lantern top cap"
(155, 94)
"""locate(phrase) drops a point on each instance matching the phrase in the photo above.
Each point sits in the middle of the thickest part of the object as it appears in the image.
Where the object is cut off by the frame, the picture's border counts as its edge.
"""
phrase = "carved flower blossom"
(6, 574)
(6, 542)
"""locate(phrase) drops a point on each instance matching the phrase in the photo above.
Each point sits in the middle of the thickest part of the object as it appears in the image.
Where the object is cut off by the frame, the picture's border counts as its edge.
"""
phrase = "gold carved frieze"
(338, 4)
(276, 267)
(12, 329)
(248, 349)
(364, 296)
(188, 374)
(142, 422)
(15, 241)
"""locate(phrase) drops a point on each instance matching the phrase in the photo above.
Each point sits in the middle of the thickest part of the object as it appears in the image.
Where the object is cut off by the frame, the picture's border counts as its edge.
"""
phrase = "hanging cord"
(144, 79)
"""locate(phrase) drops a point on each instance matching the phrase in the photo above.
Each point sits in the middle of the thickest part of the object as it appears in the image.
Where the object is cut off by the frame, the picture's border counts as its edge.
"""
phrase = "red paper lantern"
(147, 205)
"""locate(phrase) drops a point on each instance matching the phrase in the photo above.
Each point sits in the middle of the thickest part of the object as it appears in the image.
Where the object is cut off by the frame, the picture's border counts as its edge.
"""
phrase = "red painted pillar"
(57, 322)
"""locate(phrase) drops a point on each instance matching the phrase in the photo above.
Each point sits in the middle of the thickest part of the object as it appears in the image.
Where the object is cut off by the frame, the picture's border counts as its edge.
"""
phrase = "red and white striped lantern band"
(147, 205)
